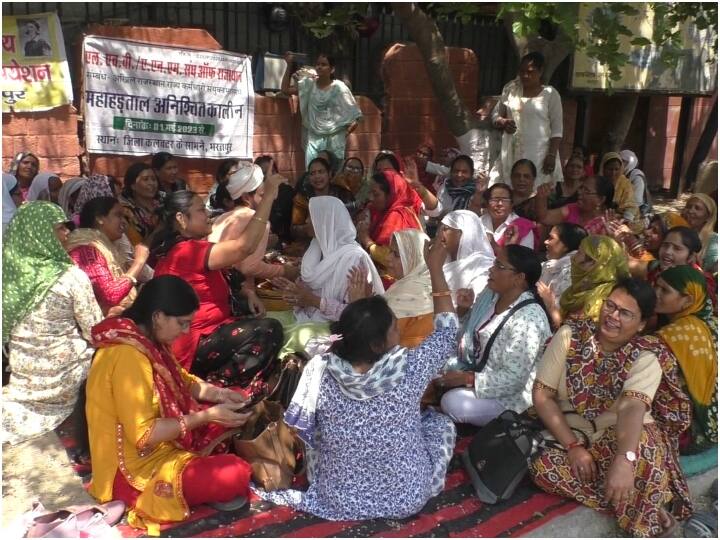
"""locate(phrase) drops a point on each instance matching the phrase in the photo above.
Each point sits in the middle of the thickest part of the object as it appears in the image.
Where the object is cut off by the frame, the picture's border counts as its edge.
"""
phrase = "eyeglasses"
(500, 266)
(625, 315)
(499, 200)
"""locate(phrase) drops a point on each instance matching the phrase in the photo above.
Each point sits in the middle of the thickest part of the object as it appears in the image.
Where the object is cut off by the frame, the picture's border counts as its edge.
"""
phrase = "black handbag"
(497, 458)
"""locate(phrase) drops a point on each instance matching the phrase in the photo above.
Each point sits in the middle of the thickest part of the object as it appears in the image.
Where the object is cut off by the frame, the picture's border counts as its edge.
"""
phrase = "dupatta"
(402, 211)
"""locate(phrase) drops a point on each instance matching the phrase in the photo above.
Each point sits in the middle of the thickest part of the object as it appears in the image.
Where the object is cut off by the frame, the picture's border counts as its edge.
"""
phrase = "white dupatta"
(475, 254)
(411, 296)
(331, 255)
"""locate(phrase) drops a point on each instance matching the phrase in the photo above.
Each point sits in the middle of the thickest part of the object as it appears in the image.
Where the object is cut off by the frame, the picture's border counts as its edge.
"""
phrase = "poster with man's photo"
(35, 74)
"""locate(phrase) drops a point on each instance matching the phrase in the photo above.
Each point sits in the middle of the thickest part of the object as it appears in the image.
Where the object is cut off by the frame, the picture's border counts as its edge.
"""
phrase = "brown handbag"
(268, 445)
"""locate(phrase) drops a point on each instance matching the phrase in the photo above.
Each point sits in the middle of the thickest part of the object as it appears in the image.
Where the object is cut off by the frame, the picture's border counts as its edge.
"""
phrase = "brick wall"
(662, 129)
(412, 115)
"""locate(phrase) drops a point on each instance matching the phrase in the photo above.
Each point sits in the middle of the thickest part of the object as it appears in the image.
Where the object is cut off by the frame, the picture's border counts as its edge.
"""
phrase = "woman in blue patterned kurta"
(372, 452)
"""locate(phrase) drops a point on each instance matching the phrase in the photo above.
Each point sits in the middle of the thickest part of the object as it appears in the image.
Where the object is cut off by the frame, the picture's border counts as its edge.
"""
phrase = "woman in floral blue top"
(371, 452)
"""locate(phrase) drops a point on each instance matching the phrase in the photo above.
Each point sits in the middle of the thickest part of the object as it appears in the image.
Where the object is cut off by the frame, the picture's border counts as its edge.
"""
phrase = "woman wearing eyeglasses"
(595, 200)
(613, 401)
(504, 224)
(500, 342)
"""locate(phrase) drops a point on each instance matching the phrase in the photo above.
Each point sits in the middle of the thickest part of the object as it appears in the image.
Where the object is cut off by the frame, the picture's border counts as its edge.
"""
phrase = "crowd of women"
(563, 296)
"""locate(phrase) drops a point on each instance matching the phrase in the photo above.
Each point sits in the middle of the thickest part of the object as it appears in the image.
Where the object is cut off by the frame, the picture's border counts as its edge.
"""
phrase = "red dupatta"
(175, 397)
(402, 211)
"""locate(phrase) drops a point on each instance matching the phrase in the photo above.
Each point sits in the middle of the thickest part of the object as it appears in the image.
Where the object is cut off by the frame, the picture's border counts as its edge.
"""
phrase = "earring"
(100, 222)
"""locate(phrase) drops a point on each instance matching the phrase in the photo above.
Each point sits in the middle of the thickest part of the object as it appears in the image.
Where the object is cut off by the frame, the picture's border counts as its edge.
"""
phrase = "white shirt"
(528, 240)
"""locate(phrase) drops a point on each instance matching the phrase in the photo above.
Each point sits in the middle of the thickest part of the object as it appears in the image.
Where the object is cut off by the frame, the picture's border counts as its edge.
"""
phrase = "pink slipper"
(86, 521)
(111, 512)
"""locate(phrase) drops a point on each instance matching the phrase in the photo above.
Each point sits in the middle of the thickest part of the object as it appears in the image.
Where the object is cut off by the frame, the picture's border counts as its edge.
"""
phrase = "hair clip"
(334, 338)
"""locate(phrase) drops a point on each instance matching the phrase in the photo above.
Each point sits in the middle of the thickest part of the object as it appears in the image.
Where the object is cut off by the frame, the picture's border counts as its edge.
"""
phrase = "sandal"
(701, 525)
(75, 521)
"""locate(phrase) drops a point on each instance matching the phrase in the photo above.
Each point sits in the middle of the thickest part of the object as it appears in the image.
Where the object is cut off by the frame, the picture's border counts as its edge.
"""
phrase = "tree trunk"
(619, 122)
(426, 35)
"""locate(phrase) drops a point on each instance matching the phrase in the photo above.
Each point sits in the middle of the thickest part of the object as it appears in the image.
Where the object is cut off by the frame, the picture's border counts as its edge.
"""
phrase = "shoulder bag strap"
(488, 346)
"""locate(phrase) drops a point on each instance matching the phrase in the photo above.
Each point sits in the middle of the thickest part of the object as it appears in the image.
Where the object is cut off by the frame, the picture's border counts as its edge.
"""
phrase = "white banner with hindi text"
(142, 98)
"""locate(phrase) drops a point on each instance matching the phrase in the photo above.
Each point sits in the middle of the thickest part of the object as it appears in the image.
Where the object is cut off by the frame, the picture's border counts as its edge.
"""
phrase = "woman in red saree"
(394, 206)
(155, 446)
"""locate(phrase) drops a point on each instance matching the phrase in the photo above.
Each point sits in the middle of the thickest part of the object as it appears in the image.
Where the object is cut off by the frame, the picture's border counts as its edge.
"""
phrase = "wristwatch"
(631, 456)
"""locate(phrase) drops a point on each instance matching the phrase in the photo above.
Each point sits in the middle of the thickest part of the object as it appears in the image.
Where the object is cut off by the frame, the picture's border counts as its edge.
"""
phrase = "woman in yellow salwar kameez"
(154, 445)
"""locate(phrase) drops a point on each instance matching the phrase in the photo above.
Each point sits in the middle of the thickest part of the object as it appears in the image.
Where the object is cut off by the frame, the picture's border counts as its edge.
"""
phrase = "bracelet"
(261, 220)
(574, 444)
(183, 426)
(132, 279)
(370, 245)
(441, 293)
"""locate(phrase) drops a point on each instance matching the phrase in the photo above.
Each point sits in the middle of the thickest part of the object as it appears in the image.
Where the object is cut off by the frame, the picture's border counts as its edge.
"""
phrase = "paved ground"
(587, 523)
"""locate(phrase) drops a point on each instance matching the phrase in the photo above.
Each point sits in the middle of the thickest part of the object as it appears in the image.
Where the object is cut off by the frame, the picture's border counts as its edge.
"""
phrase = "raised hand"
(544, 190)
(358, 287)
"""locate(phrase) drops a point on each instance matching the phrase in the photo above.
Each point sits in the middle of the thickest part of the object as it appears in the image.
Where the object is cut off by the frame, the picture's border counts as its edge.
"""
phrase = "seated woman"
(621, 392)
(394, 206)
(502, 222)
(691, 335)
(523, 176)
(48, 311)
(381, 457)
(246, 190)
(644, 248)
(454, 192)
(573, 176)
(409, 296)
(91, 247)
(281, 212)
(562, 245)
(501, 340)
(611, 168)
(11, 199)
(701, 213)
(352, 177)
(69, 192)
(595, 198)
(165, 167)
(317, 185)
(218, 347)
(470, 254)
(225, 170)
(598, 264)
(140, 201)
(24, 168)
(321, 293)
(45, 187)
(154, 445)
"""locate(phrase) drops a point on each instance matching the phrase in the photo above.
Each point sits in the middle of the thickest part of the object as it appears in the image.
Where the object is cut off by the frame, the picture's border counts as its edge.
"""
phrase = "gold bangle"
(441, 293)
(183, 426)
(370, 245)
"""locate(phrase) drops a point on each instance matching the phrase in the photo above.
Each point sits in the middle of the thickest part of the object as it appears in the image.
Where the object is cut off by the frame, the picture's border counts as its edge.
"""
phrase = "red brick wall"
(662, 129)
(412, 115)
(51, 135)
(699, 115)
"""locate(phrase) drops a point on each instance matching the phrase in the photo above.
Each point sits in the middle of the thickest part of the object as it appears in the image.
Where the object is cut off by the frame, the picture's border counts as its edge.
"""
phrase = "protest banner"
(142, 98)
(35, 74)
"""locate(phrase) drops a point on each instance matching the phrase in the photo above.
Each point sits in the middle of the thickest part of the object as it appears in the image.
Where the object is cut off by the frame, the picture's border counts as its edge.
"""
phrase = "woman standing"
(92, 248)
(530, 114)
(692, 338)
(140, 201)
(701, 213)
(48, 311)
(328, 108)
(155, 446)
(500, 342)
(372, 452)
(218, 346)
(622, 392)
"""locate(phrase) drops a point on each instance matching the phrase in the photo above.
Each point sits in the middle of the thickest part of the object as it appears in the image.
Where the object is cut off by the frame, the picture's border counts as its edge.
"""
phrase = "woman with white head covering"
(321, 293)
(10, 201)
(246, 190)
(45, 187)
(69, 193)
(469, 249)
